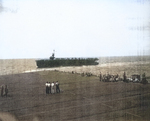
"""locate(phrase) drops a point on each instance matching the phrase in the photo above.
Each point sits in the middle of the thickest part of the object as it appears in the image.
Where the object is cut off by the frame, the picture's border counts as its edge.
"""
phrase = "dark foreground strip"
(74, 106)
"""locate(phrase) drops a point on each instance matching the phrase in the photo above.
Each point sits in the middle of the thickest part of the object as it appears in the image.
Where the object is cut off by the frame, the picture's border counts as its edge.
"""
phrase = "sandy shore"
(112, 68)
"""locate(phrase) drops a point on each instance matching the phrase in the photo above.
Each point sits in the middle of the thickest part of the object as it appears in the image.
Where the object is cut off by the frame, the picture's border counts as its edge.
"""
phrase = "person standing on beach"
(6, 90)
(49, 87)
(144, 80)
(124, 77)
(46, 87)
(100, 76)
(52, 88)
(57, 87)
(2, 91)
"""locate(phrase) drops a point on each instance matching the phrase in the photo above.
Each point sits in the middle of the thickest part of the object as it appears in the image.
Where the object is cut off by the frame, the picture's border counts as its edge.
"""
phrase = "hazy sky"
(74, 28)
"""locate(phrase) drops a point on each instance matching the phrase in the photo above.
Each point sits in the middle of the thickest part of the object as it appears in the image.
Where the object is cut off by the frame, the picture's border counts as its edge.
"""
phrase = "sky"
(74, 28)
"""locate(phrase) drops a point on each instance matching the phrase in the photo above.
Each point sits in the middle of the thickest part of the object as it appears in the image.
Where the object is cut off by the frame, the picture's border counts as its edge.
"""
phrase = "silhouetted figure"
(100, 76)
(2, 91)
(46, 87)
(117, 77)
(49, 87)
(144, 81)
(53, 56)
(124, 77)
(108, 77)
(57, 87)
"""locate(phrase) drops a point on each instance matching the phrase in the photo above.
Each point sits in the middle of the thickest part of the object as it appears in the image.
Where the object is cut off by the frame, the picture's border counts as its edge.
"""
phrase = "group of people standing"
(4, 90)
(51, 88)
